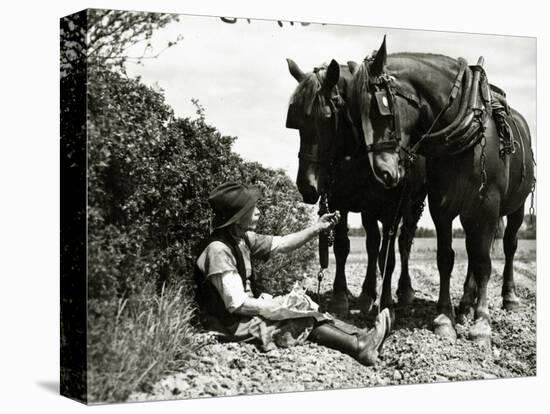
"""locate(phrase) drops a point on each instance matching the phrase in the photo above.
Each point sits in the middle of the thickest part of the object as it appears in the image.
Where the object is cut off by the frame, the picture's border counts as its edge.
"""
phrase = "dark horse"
(468, 173)
(331, 161)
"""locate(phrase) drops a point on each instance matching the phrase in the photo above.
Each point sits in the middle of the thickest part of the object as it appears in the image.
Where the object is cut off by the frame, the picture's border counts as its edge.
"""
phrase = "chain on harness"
(479, 113)
(532, 206)
(482, 159)
(326, 240)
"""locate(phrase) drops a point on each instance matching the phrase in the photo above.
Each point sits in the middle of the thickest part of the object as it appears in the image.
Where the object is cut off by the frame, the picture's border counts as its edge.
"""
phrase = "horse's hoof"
(480, 332)
(511, 304)
(365, 303)
(405, 296)
(444, 327)
(464, 313)
(339, 304)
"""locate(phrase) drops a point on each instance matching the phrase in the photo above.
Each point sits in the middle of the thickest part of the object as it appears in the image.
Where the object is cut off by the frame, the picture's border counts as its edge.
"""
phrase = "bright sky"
(238, 72)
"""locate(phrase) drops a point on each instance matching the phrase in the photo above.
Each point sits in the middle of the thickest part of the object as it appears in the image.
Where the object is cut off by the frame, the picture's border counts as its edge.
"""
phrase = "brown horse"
(398, 101)
(331, 161)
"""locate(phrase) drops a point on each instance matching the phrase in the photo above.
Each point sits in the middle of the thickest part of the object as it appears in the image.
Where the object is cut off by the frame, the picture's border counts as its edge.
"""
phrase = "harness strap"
(382, 146)
(411, 98)
(466, 84)
(385, 92)
(396, 117)
(312, 157)
(458, 79)
(389, 234)
(522, 146)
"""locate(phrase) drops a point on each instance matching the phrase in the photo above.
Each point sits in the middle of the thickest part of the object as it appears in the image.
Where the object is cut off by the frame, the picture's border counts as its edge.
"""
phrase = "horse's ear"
(332, 76)
(295, 71)
(353, 66)
(377, 66)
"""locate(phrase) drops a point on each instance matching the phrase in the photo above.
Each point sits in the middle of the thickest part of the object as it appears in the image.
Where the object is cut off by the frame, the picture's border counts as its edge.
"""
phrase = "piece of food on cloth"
(295, 304)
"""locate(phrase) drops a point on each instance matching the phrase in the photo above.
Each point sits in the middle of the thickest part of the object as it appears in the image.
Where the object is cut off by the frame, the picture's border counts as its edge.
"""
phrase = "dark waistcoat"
(212, 310)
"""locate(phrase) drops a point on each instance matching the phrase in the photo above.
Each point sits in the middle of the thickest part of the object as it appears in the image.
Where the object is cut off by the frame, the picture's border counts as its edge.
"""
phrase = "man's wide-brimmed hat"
(230, 201)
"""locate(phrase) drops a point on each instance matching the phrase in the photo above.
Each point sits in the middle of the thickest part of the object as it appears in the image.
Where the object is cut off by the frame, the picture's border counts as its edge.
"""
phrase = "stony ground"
(411, 354)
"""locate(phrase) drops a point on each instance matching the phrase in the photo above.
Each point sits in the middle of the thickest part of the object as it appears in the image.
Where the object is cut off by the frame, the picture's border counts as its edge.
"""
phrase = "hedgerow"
(149, 176)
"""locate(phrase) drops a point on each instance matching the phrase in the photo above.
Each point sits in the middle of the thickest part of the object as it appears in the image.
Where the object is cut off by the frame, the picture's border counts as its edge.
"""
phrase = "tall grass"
(133, 342)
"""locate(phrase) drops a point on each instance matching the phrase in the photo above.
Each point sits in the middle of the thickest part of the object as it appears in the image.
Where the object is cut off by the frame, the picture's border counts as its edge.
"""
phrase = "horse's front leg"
(405, 292)
(339, 304)
(368, 291)
(386, 262)
(411, 215)
(444, 322)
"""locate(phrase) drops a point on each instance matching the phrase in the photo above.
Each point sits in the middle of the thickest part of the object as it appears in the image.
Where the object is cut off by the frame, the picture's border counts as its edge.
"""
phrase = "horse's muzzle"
(309, 193)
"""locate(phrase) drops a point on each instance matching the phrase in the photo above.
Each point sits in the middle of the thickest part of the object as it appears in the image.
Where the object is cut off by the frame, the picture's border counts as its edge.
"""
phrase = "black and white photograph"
(275, 206)
(244, 206)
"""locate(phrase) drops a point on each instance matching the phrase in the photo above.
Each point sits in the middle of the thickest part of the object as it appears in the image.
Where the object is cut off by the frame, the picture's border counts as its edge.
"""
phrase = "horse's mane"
(359, 84)
(413, 55)
(433, 60)
(305, 92)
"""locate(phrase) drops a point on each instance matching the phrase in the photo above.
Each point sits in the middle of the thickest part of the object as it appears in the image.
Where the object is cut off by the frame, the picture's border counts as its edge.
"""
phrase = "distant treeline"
(527, 231)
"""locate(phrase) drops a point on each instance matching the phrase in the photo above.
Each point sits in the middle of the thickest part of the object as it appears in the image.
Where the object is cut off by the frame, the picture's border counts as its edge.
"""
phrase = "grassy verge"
(133, 342)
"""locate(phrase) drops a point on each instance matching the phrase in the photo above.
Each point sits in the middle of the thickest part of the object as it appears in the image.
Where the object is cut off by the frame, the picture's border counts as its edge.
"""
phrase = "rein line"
(389, 235)
(452, 95)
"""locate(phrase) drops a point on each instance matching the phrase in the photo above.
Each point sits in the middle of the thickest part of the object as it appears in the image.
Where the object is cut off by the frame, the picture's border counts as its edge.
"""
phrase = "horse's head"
(313, 111)
(388, 112)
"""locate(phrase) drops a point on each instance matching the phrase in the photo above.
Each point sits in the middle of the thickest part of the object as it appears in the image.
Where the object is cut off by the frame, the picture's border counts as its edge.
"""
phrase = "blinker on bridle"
(384, 96)
(385, 91)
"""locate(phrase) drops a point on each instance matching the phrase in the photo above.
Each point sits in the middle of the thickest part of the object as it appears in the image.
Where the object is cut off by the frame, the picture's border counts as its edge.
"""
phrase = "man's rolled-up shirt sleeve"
(230, 287)
(262, 245)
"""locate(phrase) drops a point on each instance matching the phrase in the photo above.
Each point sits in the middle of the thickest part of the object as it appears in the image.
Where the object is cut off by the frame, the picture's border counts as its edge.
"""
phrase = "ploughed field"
(411, 354)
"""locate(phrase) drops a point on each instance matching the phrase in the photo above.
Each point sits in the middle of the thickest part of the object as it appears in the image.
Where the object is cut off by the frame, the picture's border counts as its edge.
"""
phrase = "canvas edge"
(73, 215)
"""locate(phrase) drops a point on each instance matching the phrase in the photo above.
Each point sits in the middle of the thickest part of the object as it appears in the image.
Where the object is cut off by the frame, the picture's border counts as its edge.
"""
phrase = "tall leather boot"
(362, 345)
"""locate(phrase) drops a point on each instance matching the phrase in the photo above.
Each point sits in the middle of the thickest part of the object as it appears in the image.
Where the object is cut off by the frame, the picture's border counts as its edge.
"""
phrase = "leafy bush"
(149, 179)
(280, 214)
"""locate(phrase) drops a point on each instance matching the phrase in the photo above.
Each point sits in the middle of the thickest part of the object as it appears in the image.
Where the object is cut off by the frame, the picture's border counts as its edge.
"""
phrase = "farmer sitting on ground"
(225, 284)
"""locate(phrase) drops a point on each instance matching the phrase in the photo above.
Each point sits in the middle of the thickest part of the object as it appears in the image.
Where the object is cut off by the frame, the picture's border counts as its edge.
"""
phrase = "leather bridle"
(385, 90)
(335, 102)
